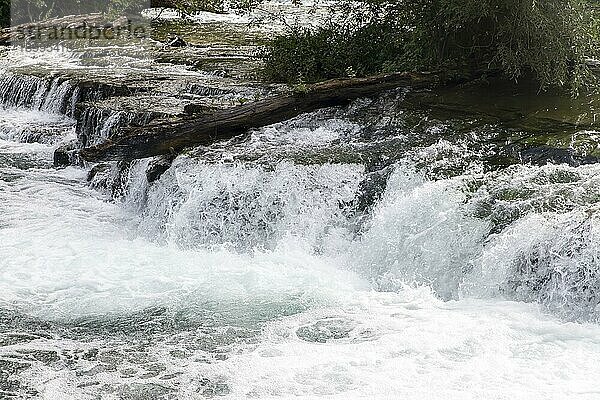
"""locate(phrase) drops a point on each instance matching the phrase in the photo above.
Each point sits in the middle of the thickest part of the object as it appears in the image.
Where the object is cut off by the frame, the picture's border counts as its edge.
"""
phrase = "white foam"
(410, 345)
(419, 234)
(248, 206)
(20, 125)
(66, 253)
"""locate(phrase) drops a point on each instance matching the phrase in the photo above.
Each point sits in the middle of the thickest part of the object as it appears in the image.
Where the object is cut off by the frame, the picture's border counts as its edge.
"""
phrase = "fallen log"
(170, 137)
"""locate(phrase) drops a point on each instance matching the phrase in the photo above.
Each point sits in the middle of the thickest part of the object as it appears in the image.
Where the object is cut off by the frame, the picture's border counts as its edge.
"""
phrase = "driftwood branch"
(170, 137)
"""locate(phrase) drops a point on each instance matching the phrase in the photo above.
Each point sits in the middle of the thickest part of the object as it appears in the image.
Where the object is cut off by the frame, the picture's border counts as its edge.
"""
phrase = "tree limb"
(168, 137)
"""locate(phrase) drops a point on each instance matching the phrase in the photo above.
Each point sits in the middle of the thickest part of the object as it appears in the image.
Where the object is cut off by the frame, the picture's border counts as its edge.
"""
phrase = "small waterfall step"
(56, 93)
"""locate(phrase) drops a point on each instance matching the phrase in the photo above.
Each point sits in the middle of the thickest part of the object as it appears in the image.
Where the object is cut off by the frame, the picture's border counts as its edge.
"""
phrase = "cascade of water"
(249, 206)
(95, 125)
(269, 253)
(31, 126)
(544, 245)
(59, 98)
(476, 234)
(24, 91)
(419, 234)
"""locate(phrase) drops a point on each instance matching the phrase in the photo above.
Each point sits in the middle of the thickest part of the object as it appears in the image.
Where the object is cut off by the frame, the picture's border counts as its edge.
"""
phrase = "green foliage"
(548, 40)
(4, 13)
(307, 55)
(127, 7)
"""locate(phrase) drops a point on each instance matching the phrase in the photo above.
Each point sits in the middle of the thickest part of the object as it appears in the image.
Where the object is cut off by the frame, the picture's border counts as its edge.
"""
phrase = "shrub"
(307, 55)
(4, 13)
(548, 40)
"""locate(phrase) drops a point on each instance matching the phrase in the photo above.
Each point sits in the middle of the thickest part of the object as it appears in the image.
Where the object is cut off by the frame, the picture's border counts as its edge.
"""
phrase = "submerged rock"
(10, 339)
(560, 270)
(11, 387)
(209, 388)
(145, 391)
(176, 41)
(543, 155)
(43, 356)
(325, 330)
(158, 166)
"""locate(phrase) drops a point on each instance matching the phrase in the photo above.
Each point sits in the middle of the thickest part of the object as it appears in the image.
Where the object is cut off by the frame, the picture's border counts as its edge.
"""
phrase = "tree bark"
(169, 137)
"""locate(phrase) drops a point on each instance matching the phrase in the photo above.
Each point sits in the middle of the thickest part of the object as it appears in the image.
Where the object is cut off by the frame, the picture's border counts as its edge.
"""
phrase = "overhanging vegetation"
(548, 41)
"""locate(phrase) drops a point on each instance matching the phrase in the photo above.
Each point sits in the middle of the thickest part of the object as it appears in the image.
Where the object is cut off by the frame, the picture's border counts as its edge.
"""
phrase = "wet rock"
(66, 155)
(90, 355)
(149, 391)
(148, 375)
(128, 372)
(9, 386)
(171, 376)
(209, 388)
(153, 370)
(13, 321)
(62, 157)
(181, 354)
(9, 367)
(11, 339)
(88, 384)
(158, 166)
(44, 356)
(325, 330)
(98, 170)
(98, 369)
(111, 357)
(176, 41)
(109, 178)
(543, 155)
(69, 357)
(371, 189)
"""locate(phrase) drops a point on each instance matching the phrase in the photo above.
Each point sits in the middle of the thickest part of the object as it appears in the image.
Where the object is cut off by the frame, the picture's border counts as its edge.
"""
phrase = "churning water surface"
(267, 278)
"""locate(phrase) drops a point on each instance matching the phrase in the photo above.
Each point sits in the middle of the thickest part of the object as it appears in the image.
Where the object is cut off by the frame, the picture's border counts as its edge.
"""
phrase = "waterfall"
(55, 95)
(37, 110)
(493, 234)
(420, 233)
(358, 265)
(60, 96)
(95, 125)
(250, 206)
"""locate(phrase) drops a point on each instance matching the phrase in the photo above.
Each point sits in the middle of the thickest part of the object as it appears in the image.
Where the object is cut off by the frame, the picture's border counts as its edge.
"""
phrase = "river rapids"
(359, 253)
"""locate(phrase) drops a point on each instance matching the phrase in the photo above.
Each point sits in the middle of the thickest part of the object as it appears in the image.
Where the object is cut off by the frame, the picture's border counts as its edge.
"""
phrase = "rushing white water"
(68, 254)
(32, 126)
(317, 327)
(269, 279)
(54, 95)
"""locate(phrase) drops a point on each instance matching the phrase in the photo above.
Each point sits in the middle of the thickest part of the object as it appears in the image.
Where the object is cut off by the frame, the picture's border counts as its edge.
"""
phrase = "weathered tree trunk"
(170, 137)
